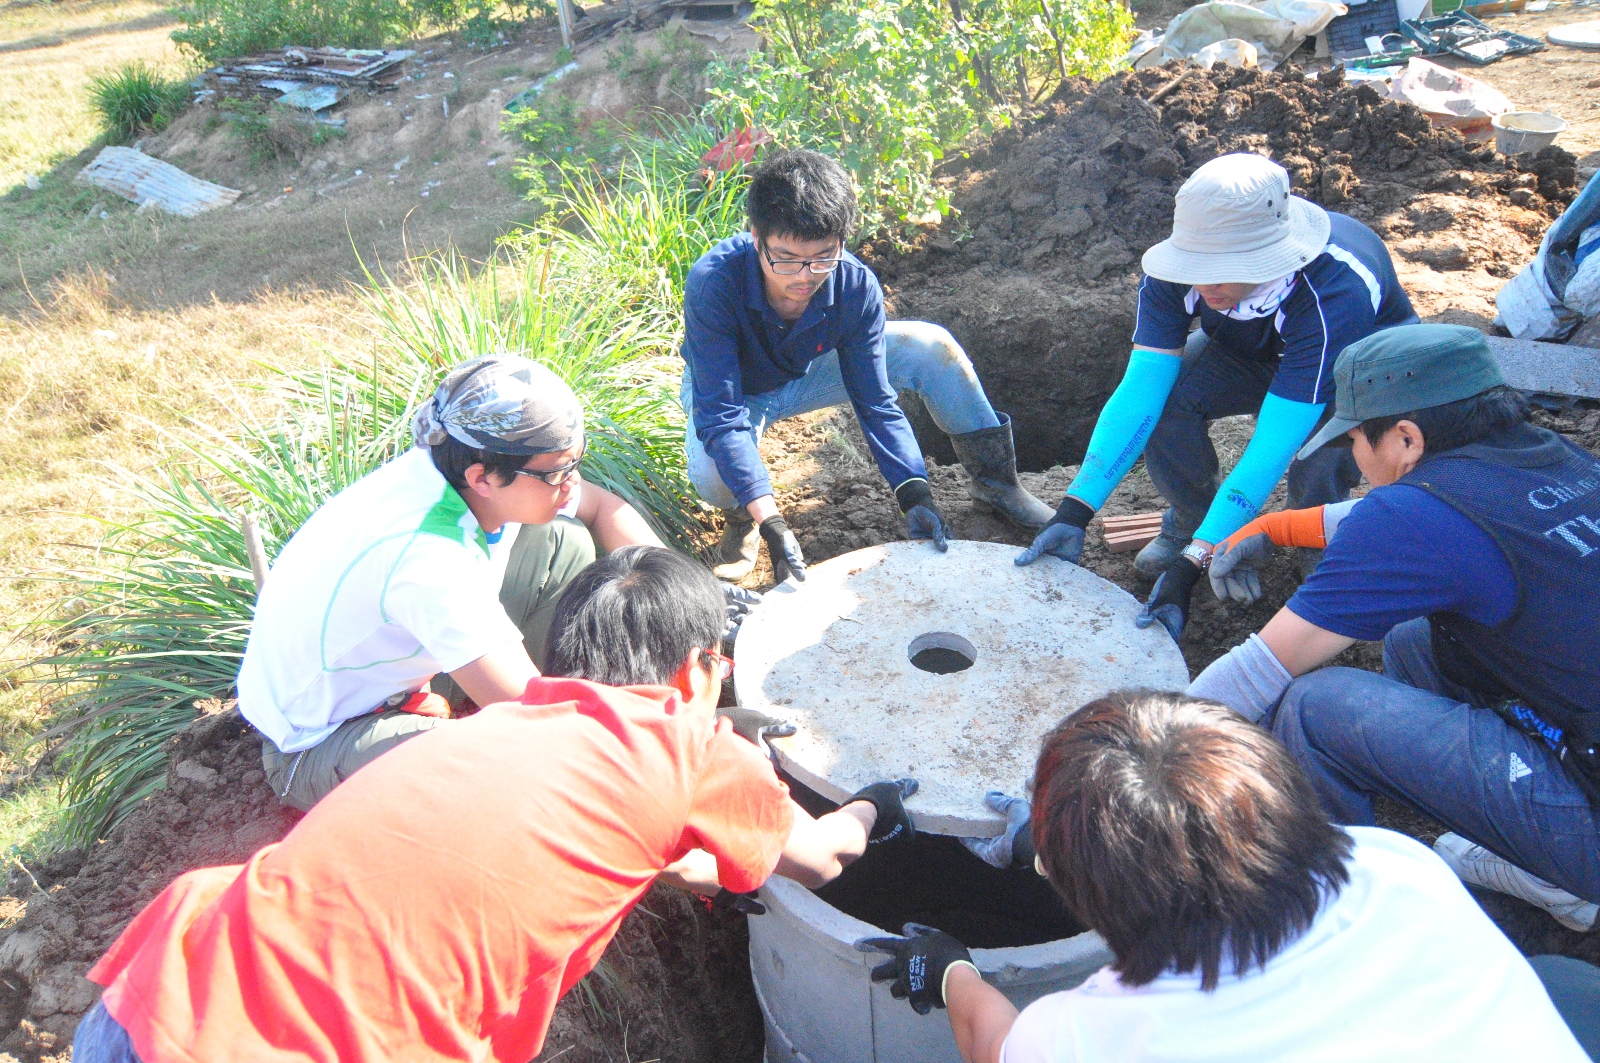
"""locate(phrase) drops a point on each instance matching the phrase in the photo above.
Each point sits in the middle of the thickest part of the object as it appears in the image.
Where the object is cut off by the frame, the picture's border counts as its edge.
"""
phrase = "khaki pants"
(544, 560)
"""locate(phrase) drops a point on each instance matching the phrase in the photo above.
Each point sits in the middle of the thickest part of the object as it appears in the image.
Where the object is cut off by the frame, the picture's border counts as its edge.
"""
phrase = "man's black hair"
(804, 195)
(631, 618)
(1456, 424)
(452, 458)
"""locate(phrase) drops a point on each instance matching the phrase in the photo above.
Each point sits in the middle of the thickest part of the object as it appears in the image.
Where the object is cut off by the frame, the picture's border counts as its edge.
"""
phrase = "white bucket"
(1516, 132)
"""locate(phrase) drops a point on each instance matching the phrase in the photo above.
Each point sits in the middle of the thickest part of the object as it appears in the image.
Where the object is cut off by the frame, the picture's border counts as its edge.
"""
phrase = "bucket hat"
(1236, 223)
(1404, 369)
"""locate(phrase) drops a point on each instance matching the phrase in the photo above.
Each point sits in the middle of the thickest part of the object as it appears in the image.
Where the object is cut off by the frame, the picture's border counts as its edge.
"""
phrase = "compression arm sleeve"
(1248, 679)
(1281, 428)
(1125, 424)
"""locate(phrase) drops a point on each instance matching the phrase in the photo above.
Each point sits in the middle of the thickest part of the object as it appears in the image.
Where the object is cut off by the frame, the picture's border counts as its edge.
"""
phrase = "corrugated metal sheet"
(150, 182)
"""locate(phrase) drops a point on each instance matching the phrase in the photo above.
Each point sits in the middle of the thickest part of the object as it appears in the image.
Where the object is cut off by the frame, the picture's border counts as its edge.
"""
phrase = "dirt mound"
(1037, 272)
(675, 983)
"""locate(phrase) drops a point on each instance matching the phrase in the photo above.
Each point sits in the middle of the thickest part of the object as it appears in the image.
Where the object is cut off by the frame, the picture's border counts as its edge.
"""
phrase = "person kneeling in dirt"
(782, 320)
(1280, 287)
(1476, 558)
(448, 559)
(1244, 926)
(439, 902)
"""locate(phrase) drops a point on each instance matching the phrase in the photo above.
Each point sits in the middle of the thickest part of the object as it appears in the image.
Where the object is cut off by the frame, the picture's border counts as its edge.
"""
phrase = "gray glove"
(999, 850)
(738, 602)
(1234, 572)
(753, 725)
(1063, 536)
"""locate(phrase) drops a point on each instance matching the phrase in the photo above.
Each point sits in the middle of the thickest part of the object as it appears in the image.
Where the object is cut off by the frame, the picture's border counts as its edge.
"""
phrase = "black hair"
(631, 618)
(1187, 836)
(452, 458)
(802, 194)
(1456, 424)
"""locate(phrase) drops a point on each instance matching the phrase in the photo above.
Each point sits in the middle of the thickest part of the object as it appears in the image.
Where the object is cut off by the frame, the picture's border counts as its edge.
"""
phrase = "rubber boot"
(990, 458)
(1159, 553)
(735, 555)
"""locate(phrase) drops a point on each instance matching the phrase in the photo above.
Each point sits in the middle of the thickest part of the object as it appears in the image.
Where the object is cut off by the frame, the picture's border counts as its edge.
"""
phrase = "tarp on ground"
(1274, 27)
(1533, 304)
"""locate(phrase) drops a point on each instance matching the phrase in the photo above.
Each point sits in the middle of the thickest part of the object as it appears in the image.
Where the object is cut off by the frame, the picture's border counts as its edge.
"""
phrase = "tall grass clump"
(135, 96)
(156, 618)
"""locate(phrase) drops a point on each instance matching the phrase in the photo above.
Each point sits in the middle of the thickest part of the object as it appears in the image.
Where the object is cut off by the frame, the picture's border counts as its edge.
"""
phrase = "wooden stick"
(254, 550)
(1170, 87)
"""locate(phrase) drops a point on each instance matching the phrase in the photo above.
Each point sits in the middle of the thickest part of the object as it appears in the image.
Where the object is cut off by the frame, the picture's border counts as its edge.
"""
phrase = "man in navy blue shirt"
(782, 320)
(1476, 558)
(1279, 287)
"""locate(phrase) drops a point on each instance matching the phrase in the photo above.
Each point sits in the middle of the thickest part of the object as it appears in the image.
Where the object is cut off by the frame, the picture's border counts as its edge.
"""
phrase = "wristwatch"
(1199, 555)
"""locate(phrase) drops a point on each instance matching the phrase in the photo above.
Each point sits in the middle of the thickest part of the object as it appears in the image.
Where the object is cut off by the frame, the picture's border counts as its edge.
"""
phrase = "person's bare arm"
(500, 675)
(1299, 645)
(818, 849)
(696, 872)
(980, 1015)
(613, 523)
(762, 508)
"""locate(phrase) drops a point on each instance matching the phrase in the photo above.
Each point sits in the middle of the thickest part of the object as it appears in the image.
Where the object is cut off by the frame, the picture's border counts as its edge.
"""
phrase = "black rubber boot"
(735, 555)
(990, 458)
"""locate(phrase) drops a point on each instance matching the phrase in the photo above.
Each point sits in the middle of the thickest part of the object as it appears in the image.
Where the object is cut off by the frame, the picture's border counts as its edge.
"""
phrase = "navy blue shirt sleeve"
(1401, 554)
(865, 372)
(1324, 314)
(1164, 315)
(711, 303)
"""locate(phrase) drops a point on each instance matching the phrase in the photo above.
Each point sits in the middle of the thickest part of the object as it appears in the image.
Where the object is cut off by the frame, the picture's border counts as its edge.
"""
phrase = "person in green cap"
(1476, 559)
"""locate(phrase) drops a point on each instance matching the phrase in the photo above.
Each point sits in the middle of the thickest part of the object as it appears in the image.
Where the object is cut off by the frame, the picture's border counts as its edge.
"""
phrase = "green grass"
(134, 97)
(32, 821)
(156, 617)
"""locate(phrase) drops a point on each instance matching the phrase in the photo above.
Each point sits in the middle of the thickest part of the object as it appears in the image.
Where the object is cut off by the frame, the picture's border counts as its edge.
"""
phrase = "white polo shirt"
(389, 583)
(1402, 966)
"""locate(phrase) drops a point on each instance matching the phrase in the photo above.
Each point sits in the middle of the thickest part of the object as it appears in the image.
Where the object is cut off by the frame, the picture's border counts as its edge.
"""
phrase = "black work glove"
(893, 820)
(1063, 536)
(784, 550)
(919, 963)
(737, 603)
(923, 518)
(1169, 600)
(725, 900)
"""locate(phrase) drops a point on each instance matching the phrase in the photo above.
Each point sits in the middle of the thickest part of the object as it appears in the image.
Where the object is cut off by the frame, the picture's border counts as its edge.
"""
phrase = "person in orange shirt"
(438, 903)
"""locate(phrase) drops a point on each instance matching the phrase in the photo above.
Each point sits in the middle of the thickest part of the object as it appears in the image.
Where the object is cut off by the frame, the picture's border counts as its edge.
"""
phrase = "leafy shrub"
(890, 86)
(135, 96)
(272, 131)
(219, 29)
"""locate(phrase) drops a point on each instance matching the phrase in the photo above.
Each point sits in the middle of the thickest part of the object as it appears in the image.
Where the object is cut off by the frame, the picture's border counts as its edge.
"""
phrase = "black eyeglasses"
(557, 477)
(788, 267)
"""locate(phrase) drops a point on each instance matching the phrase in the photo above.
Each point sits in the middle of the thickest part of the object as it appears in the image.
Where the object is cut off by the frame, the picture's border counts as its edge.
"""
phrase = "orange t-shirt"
(440, 901)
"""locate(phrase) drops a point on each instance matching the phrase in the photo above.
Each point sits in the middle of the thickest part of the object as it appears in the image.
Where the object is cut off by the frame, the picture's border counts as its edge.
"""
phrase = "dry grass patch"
(48, 52)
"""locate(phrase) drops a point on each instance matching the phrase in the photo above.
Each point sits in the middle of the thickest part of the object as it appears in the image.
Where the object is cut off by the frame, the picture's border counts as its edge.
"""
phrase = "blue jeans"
(919, 357)
(1574, 988)
(101, 1040)
(1414, 736)
(1215, 382)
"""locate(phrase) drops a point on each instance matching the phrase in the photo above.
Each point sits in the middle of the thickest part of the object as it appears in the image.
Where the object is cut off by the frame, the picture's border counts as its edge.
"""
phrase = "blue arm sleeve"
(721, 418)
(1125, 424)
(1281, 428)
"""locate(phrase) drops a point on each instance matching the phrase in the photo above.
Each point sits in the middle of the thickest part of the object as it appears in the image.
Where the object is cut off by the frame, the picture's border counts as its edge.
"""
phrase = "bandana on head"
(504, 404)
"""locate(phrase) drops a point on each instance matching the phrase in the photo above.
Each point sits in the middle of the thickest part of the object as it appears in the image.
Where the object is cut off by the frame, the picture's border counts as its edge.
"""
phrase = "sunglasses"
(557, 477)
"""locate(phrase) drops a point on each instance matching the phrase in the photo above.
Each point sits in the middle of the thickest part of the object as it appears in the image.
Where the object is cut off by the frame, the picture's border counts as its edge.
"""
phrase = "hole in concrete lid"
(941, 652)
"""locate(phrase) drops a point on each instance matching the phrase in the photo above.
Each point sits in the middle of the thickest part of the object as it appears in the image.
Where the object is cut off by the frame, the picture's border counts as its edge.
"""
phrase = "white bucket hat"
(1236, 223)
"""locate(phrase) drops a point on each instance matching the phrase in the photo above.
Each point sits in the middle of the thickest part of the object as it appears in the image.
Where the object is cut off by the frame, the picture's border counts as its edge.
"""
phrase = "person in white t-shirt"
(1245, 926)
(443, 565)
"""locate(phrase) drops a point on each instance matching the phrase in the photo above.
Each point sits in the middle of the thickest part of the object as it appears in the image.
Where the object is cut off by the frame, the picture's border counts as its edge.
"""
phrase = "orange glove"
(1289, 527)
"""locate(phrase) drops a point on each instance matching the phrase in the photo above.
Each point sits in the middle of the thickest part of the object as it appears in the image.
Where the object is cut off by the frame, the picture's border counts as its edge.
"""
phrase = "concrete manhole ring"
(846, 656)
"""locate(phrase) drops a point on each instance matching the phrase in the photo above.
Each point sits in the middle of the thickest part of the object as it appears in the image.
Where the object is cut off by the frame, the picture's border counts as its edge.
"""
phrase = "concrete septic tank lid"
(834, 655)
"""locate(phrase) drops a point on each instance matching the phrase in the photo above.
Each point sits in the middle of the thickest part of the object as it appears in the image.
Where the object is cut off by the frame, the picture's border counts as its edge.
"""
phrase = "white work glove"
(997, 851)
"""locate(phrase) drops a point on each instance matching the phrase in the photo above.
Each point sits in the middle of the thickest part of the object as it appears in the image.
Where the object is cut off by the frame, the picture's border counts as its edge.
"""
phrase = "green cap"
(1403, 369)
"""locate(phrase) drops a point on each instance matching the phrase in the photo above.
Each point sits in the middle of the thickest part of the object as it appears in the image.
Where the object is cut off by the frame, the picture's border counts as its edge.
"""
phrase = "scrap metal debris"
(152, 183)
(370, 69)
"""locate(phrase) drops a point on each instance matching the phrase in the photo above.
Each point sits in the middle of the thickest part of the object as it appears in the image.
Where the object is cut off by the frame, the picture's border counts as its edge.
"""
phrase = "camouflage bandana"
(504, 404)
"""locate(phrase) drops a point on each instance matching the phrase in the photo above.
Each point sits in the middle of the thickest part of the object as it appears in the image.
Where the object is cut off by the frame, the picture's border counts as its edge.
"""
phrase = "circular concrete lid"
(833, 655)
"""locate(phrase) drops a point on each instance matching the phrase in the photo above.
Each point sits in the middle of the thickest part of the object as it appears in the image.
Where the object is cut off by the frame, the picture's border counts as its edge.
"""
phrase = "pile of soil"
(1036, 274)
(674, 984)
